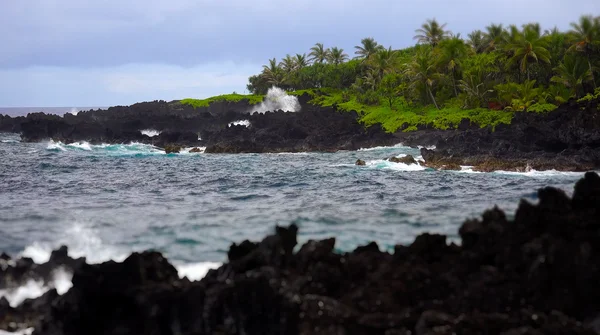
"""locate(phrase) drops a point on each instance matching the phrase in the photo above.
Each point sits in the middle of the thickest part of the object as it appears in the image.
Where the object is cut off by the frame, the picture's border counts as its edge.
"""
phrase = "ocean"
(106, 201)
(23, 111)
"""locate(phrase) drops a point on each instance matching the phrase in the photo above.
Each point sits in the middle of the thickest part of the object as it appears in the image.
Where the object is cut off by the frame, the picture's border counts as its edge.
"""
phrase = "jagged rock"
(360, 162)
(196, 150)
(172, 149)
(408, 160)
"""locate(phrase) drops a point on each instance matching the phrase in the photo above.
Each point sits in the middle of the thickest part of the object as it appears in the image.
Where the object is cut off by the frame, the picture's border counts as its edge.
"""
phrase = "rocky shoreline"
(567, 139)
(534, 274)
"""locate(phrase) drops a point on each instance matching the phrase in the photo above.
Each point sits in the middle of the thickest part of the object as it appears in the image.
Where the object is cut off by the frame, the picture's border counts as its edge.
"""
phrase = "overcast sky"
(101, 53)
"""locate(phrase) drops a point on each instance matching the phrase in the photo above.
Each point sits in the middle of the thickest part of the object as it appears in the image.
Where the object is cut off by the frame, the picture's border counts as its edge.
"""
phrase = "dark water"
(106, 201)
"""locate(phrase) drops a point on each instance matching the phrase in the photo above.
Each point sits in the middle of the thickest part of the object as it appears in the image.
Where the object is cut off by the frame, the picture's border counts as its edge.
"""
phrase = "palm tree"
(586, 35)
(337, 56)
(318, 53)
(272, 73)
(494, 36)
(452, 52)
(573, 72)
(367, 48)
(287, 64)
(477, 41)
(300, 62)
(431, 32)
(527, 47)
(383, 62)
(422, 73)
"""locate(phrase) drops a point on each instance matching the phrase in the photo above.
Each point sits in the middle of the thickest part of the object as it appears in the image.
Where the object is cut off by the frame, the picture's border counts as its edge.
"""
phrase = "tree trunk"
(591, 71)
(454, 84)
(432, 97)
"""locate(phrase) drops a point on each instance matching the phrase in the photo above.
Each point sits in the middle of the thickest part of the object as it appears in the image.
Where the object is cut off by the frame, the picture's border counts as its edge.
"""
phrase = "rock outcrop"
(534, 274)
(565, 139)
(313, 128)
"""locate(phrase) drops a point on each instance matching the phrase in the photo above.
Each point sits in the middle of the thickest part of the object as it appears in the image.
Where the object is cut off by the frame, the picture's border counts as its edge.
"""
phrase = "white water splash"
(73, 111)
(196, 271)
(245, 123)
(32, 289)
(150, 132)
(82, 241)
(387, 165)
(277, 99)
(399, 145)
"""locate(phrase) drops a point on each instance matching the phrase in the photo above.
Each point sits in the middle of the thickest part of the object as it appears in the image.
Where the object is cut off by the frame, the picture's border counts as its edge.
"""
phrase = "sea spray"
(245, 123)
(277, 99)
(61, 281)
(150, 132)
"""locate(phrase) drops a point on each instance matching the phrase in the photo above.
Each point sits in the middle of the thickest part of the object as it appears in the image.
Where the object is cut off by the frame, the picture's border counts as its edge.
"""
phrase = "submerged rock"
(408, 160)
(172, 149)
(534, 274)
(360, 162)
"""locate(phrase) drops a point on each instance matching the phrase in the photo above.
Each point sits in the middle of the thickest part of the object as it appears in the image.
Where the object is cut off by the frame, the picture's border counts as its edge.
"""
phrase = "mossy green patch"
(402, 115)
(197, 103)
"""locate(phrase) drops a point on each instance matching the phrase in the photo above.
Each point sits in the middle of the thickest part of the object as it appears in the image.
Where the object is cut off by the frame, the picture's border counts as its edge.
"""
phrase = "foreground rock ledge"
(536, 274)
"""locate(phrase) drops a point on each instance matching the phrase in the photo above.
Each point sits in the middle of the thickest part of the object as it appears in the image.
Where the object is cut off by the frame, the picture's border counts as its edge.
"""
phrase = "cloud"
(85, 38)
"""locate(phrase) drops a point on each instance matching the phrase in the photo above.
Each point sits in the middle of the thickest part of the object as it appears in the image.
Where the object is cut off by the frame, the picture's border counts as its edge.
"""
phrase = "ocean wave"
(387, 165)
(396, 146)
(134, 148)
(542, 174)
(10, 141)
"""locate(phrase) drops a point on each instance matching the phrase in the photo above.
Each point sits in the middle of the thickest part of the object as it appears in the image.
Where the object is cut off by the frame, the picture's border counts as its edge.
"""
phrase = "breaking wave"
(277, 99)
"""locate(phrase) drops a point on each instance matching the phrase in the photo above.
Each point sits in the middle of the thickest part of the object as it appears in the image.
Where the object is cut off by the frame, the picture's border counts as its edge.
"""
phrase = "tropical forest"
(484, 77)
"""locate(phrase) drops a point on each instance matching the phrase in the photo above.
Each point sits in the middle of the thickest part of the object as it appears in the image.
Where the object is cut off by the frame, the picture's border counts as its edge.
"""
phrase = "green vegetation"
(401, 115)
(197, 103)
(444, 78)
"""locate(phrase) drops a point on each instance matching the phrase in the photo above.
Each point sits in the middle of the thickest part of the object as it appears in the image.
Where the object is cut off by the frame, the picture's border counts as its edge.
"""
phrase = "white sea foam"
(196, 271)
(150, 132)
(387, 165)
(277, 99)
(10, 141)
(467, 169)
(540, 174)
(133, 148)
(245, 123)
(396, 146)
(81, 145)
(431, 147)
(187, 150)
(55, 146)
(61, 281)
(73, 111)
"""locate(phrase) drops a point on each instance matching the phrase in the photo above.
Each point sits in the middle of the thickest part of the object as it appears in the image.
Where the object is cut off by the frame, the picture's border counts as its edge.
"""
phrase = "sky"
(118, 52)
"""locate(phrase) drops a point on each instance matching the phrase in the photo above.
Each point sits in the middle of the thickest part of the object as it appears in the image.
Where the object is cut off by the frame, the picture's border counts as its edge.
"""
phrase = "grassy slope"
(392, 119)
(196, 103)
(402, 114)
